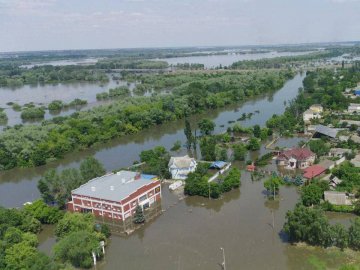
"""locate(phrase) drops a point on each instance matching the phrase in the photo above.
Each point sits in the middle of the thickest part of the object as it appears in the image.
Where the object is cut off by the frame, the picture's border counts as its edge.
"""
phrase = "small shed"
(218, 165)
(337, 198)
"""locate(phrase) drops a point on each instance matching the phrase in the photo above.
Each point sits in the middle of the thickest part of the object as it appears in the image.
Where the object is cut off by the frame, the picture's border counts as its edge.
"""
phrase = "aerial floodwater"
(215, 60)
(122, 152)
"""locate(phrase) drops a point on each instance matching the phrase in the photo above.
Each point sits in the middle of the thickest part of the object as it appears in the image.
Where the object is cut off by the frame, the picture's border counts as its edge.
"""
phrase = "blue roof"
(218, 164)
(357, 92)
(148, 176)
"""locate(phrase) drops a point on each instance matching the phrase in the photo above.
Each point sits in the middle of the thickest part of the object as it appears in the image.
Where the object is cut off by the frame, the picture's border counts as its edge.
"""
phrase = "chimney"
(93, 189)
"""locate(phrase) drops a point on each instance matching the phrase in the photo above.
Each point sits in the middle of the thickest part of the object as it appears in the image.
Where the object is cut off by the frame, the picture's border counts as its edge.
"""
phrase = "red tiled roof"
(251, 167)
(297, 153)
(313, 171)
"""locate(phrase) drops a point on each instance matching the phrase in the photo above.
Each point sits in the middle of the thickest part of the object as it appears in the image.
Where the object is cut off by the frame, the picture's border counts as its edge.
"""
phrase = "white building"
(354, 107)
(313, 112)
(180, 167)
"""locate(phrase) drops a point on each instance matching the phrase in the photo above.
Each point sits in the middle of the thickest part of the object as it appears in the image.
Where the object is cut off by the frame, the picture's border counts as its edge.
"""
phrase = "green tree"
(257, 131)
(74, 222)
(44, 213)
(17, 256)
(139, 215)
(207, 148)
(354, 234)
(319, 147)
(206, 126)
(340, 236)
(239, 151)
(91, 168)
(188, 134)
(272, 185)
(308, 225)
(253, 144)
(311, 195)
(77, 248)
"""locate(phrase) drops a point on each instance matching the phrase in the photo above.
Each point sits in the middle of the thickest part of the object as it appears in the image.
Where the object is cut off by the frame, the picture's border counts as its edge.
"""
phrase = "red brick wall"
(140, 191)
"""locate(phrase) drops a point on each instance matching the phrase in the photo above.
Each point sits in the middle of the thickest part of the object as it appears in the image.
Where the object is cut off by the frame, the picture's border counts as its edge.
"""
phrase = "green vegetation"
(206, 126)
(323, 87)
(3, 117)
(56, 105)
(77, 102)
(32, 113)
(130, 64)
(264, 159)
(310, 225)
(284, 61)
(156, 161)
(13, 76)
(77, 239)
(55, 187)
(32, 145)
(240, 151)
(176, 146)
(18, 240)
(350, 176)
(319, 147)
(197, 182)
(139, 217)
(272, 185)
(121, 91)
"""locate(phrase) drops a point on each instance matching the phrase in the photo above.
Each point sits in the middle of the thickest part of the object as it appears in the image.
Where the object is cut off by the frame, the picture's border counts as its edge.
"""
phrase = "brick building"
(116, 196)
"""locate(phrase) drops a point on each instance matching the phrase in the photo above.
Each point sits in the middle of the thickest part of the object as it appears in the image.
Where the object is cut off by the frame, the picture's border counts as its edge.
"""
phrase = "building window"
(157, 190)
(142, 198)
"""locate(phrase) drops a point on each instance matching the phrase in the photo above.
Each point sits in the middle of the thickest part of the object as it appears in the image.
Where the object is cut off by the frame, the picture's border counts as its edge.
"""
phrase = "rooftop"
(297, 153)
(313, 171)
(113, 187)
(331, 132)
(181, 162)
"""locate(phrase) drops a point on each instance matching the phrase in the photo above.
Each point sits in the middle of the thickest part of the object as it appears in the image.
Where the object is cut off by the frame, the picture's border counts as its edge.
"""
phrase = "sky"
(27, 25)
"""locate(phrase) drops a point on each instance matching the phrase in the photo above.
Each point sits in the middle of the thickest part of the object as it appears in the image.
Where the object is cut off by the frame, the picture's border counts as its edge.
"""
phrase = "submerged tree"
(139, 215)
(272, 185)
(188, 134)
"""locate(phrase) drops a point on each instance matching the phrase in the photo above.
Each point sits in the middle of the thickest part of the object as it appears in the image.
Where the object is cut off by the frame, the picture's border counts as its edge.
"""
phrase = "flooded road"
(122, 152)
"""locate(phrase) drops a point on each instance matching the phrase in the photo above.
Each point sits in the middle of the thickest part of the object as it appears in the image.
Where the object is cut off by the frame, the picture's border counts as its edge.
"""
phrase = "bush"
(32, 113)
(56, 105)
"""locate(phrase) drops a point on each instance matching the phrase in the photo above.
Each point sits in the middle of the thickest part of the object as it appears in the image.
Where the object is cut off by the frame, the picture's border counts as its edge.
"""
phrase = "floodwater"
(189, 235)
(212, 61)
(190, 232)
(122, 152)
(87, 61)
(44, 94)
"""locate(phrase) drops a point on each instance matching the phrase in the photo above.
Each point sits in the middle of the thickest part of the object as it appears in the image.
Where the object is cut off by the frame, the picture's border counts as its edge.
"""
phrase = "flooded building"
(296, 158)
(313, 112)
(180, 167)
(116, 195)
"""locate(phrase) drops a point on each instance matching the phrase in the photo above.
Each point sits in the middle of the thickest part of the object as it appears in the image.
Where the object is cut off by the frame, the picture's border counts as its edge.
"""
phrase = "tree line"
(34, 145)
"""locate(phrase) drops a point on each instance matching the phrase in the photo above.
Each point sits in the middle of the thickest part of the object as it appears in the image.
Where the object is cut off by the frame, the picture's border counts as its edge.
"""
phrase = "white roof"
(113, 187)
(181, 162)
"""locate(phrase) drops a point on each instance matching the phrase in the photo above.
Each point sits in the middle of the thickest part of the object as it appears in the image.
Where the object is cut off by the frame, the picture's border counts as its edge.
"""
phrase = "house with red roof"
(313, 171)
(296, 158)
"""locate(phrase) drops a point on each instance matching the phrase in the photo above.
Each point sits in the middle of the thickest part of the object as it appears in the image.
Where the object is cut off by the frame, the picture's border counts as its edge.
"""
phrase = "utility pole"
(209, 189)
(223, 263)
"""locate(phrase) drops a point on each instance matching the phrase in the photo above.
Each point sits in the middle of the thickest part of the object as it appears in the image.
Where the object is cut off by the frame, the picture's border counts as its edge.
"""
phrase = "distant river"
(212, 61)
